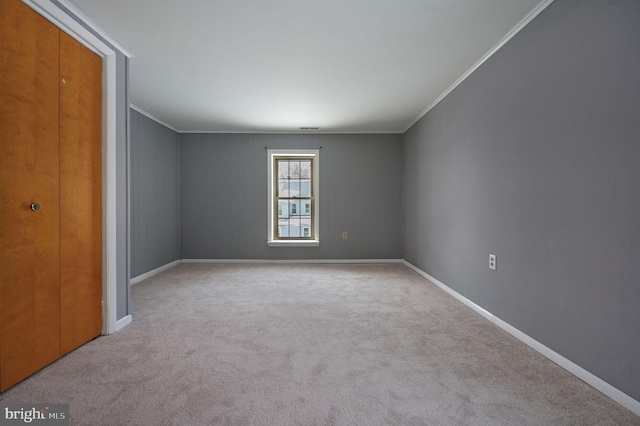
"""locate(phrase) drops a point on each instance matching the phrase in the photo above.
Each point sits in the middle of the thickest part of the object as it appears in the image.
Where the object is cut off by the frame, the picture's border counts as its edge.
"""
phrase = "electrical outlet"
(492, 261)
(345, 235)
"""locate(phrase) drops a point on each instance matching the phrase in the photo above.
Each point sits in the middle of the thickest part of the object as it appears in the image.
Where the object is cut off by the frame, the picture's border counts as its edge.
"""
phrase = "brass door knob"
(35, 207)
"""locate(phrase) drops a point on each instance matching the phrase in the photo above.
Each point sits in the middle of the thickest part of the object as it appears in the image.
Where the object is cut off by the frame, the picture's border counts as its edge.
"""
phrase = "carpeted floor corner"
(310, 344)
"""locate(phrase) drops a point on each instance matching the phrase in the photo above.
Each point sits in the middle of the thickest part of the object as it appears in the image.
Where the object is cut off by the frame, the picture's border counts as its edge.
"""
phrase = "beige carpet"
(291, 344)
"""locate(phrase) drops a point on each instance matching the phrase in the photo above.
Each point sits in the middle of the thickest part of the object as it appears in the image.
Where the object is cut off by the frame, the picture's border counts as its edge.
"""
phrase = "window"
(293, 197)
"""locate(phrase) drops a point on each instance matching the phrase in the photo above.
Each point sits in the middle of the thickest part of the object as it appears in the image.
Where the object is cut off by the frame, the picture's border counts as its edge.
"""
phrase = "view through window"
(294, 194)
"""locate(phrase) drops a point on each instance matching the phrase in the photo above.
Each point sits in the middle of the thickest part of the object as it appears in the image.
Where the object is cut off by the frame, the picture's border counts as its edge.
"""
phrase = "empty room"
(418, 212)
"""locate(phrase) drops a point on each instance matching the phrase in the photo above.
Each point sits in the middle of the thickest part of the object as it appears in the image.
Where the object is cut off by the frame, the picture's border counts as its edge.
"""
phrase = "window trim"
(272, 207)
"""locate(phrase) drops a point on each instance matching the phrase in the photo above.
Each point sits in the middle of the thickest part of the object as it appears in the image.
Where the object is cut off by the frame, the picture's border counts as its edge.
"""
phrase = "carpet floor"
(313, 344)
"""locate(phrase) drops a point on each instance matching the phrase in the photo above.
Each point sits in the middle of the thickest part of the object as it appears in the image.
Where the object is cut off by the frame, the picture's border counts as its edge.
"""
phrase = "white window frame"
(271, 199)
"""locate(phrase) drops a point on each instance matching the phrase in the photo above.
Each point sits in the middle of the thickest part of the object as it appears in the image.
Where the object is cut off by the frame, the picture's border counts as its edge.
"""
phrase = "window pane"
(294, 169)
(305, 169)
(294, 230)
(283, 228)
(305, 187)
(283, 209)
(294, 188)
(283, 188)
(283, 168)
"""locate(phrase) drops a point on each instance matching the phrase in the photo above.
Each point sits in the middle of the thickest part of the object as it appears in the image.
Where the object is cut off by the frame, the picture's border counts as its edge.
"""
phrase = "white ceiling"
(277, 65)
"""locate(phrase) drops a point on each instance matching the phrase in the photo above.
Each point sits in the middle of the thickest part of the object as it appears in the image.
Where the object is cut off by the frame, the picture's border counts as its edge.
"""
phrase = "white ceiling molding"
(157, 120)
(535, 12)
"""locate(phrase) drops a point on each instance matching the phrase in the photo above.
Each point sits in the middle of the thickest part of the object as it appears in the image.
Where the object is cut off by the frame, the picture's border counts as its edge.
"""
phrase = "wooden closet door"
(80, 194)
(29, 254)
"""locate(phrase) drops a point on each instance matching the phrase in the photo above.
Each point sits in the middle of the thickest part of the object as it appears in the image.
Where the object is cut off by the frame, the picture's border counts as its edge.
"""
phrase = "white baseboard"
(122, 323)
(292, 261)
(149, 274)
(587, 377)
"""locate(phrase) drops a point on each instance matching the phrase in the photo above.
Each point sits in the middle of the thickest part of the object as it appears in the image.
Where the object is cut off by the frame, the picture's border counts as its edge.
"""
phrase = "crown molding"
(515, 30)
(150, 116)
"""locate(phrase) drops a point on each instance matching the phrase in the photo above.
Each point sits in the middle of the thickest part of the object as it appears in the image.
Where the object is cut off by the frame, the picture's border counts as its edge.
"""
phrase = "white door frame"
(70, 26)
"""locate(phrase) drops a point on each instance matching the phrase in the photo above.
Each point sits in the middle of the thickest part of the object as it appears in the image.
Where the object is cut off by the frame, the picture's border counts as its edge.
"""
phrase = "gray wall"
(155, 194)
(122, 178)
(224, 196)
(536, 158)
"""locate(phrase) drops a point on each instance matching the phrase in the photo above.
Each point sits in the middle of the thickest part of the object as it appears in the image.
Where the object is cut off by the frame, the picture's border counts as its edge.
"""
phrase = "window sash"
(295, 212)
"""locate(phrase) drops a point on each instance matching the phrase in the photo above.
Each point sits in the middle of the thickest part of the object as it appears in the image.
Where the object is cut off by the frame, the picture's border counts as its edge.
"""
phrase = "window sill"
(293, 243)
